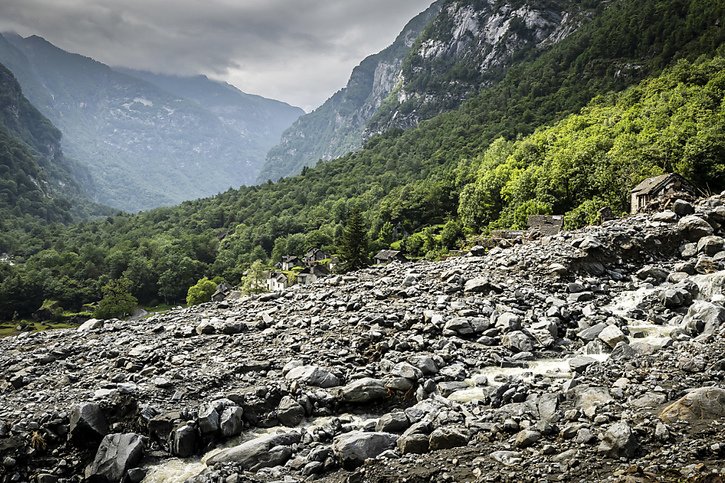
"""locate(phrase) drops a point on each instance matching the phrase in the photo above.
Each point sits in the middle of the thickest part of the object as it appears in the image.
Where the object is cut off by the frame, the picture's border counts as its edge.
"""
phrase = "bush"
(201, 292)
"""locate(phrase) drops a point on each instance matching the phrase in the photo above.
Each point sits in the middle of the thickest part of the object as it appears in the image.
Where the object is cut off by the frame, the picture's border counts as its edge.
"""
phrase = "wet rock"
(117, 454)
(656, 274)
(88, 424)
(184, 441)
(258, 453)
(230, 421)
(612, 335)
(290, 412)
(208, 420)
(701, 404)
(448, 437)
(364, 390)
(619, 440)
(313, 376)
(580, 363)
(591, 333)
(354, 448)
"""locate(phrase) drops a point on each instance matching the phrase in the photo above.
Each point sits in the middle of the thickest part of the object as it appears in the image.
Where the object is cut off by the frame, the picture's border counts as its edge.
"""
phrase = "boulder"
(117, 454)
(290, 412)
(591, 333)
(413, 443)
(580, 363)
(612, 336)
(619, 441)
(517, 341)
(704, 403)
(480, 285)
(231, 421)
(352, 449)
(364, 390)
(184, 441)
(208, 420)
(394, 422)
(88, 424)
(682, 208)
(313, 376)
(656, 274)
(263, 452)
(448, 437)
(90, 324)
(526, 438)
(710, 245)
(704, 317)
(693, 227)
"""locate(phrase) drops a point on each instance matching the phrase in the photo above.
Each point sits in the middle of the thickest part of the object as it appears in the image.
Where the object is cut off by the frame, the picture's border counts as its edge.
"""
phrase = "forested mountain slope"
(36, 181)
(144, 146)
(413, 179)
(337, 127)
(444, 56)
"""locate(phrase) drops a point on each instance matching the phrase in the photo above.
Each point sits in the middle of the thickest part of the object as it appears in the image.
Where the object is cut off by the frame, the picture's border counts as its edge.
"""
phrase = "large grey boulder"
(231, 421)
(704, 317)
(313, 376)
(184, 441)
(612, 336)
(290, 412)
(117, 454)
(88, 424)
(517, 341)
(701, 404)
(257, 453)
(352, 449)
(619, 441)
(364, 390)
(208, 420)
(448, 437)
(693, 227)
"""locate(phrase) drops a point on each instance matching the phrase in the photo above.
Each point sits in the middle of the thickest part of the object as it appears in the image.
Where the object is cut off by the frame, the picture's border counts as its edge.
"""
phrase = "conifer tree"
(353, 249)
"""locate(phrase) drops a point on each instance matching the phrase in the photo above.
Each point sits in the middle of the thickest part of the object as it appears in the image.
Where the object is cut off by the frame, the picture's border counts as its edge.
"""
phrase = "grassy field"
(11, 328)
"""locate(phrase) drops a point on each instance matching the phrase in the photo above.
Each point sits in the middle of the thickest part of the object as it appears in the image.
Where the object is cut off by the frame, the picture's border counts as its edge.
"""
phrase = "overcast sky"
(298, 51)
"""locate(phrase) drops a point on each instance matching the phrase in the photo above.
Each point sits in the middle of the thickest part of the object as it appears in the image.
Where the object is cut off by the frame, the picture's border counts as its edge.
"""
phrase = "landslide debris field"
(593, 355)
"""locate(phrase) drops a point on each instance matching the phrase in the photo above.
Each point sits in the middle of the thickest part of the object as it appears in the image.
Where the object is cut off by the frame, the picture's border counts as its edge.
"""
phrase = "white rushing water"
(176, 470)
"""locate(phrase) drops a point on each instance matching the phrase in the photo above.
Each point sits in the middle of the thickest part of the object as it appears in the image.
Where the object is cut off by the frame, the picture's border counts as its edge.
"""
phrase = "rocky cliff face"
(442, 57)
(143, 144)
(468, 46)
(336, 127)
(583, 356)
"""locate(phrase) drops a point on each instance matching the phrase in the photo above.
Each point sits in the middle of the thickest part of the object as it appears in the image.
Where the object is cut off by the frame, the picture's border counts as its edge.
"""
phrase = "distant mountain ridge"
(443, 56)
(38, 184)
(143, 143)
(336, 127)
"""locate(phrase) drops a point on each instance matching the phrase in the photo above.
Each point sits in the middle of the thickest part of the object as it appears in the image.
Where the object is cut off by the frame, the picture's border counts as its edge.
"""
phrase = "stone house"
(312, 274)
(662, 190)
(290, 261)
(276, 282)
(315, 256)
(546, 225)
(384, 257)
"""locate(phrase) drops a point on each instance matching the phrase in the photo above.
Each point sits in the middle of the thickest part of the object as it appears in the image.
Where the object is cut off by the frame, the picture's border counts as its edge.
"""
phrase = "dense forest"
(637, 91)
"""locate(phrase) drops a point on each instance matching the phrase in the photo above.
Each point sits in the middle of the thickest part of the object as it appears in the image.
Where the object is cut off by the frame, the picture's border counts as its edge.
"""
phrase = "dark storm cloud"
(300, 51)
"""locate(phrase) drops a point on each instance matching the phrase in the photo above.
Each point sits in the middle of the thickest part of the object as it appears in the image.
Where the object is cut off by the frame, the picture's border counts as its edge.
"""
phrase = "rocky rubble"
(587, 356)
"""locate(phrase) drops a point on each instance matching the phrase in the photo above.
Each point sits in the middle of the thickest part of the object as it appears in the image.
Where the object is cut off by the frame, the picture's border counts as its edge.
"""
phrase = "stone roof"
(387, 254)
(652, 185)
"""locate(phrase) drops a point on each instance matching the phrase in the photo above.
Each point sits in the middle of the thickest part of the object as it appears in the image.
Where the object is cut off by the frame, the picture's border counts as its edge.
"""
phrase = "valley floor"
(595, 355)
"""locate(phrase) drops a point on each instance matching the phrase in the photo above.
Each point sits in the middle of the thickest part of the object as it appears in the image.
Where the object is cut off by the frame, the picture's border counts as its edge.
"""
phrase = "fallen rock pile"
(590, 355)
